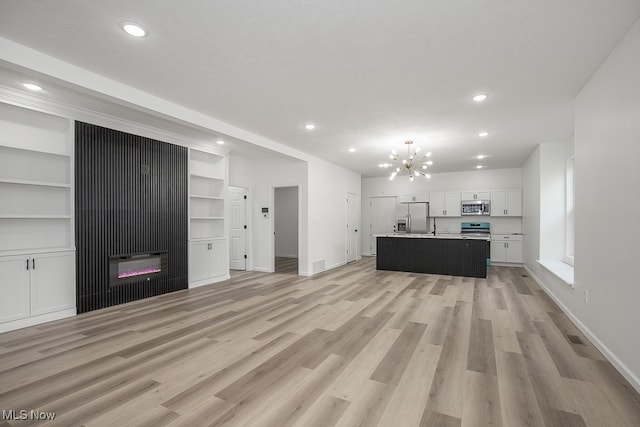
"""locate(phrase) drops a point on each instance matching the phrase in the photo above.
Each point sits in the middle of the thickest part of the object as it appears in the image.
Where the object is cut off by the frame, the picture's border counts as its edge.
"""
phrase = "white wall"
(286, 222)
(531, 211)
(607, 131)
(607, 134)
(265, 176)
(322, 190)
(328, 188)
(496, 179)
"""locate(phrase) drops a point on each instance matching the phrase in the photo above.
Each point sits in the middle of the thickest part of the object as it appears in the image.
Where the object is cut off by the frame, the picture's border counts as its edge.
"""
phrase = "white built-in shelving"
(208, 261)
(36, 216)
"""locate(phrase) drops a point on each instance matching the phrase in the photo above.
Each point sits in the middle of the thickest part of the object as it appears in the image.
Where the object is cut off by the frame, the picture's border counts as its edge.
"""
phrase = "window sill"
(561, 270)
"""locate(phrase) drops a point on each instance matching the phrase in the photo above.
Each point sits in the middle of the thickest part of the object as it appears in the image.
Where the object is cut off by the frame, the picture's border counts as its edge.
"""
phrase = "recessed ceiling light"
(480, 156)
(309, 126)
(134, 30)
(32, 86)
(480, 97)
(220, 142)
(479, 167)
(352, 150)
(483, 134)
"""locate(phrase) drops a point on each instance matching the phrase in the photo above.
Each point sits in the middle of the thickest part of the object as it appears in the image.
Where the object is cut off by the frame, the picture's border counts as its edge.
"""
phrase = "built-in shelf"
(208, 251)
(35, 216)
(34, 183)
(206, 217)
(36, 170)
(208, 239)
(198, 196)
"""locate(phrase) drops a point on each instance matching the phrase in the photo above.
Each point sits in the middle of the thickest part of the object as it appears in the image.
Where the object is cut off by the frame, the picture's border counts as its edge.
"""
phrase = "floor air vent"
(575, 339)
(318, 266)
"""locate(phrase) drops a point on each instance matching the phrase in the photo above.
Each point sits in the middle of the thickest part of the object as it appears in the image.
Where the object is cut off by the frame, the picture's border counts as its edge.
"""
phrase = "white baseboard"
(286, 256)
(209, 281)
(611, 357)
(262, 270)
(36, 320)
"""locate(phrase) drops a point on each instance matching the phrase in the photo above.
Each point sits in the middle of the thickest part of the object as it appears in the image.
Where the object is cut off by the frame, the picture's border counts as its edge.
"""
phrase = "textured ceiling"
(370, 74)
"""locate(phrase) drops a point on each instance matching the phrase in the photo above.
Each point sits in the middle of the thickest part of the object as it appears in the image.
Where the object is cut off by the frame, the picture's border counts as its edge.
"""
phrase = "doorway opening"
(285, 214)
(238, 229)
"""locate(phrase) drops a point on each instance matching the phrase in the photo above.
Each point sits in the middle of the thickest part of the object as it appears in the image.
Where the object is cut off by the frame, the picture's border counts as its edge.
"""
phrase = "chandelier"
(412, 165)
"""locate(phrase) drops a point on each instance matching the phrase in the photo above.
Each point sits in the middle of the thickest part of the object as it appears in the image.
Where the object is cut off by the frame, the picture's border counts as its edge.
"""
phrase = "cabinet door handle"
(27, 263)
(33, 263)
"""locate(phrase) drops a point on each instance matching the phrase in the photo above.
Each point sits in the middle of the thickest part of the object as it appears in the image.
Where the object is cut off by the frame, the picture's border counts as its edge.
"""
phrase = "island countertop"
(432, 236)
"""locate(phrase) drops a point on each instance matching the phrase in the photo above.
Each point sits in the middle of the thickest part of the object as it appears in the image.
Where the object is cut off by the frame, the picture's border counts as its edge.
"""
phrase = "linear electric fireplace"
(131, 268)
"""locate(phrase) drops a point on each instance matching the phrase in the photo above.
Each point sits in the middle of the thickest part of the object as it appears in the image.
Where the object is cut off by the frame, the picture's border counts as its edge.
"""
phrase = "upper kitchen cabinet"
(506, 203)
(412, 198)
(444, 204)
(476, 195)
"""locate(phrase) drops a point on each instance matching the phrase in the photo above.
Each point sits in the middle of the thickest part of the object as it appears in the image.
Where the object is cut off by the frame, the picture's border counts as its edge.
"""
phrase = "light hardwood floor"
(352, 346)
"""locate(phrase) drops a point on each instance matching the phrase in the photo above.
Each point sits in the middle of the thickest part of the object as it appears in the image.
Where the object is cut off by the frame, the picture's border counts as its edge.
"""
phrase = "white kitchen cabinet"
(53, 283)
(409, 198)
(14, 288)
(506, 203)
(36, 284)
(506, 248)
(476, 195)
(444, 204)
(207, 262)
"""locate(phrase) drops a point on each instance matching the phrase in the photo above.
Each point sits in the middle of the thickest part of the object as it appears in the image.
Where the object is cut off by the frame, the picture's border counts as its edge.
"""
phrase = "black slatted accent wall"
(130, 197)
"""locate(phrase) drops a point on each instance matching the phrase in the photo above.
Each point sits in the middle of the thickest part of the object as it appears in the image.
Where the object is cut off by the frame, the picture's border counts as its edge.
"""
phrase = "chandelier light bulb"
(424, 166)
(428, 176)
(411, 178)
(430, 162)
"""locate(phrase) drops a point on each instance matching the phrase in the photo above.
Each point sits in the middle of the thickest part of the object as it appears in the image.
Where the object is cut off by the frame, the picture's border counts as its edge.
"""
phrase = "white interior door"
(383, 216)
(352, 227)
(238, 238)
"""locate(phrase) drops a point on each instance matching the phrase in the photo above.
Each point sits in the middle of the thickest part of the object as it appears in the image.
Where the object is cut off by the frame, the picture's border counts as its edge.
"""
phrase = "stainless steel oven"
(475, 207)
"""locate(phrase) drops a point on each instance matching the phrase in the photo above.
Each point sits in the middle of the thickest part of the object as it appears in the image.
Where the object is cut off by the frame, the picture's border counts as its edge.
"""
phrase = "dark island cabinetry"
(455, 257)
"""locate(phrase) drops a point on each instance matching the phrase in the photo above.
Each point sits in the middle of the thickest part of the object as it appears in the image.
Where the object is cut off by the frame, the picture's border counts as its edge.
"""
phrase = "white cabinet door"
(14, 288)
(514, 203)
(444, 203)
(53, 282)
(483, 195)
(498, 251)
(498, 203)
(506, 203)
(436, 204)
(218, 258)
(514, 252)
(476, 195)
(452, 204)
(199, 261)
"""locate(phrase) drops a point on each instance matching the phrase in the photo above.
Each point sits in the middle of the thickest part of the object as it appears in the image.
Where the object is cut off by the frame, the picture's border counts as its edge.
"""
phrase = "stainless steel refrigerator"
(417, 214)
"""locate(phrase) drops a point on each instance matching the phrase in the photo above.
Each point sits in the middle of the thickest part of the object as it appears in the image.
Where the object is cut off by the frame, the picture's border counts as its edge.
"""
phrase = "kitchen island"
(452, 255)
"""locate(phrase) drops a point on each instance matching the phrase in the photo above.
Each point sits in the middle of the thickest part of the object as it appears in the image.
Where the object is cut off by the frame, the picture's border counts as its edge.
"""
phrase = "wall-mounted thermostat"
(265, 212)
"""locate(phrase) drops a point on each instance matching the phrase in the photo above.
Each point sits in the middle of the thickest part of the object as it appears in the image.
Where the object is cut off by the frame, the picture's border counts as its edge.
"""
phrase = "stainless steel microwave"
(475, 207)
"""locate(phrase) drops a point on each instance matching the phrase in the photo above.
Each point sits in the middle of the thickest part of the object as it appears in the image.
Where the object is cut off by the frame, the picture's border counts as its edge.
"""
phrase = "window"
(569, 212)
